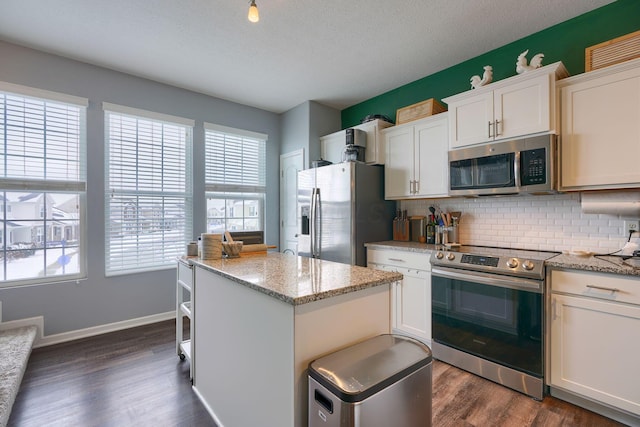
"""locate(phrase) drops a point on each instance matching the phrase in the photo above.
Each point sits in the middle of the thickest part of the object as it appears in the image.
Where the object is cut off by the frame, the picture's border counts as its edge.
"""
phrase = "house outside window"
(235, 179)
(42, 185)
(148, 194)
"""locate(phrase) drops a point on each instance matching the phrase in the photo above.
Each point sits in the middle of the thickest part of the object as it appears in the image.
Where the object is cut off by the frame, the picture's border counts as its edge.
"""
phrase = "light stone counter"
(296, 280)
(597, 263)
(403, 246)
(600, 263)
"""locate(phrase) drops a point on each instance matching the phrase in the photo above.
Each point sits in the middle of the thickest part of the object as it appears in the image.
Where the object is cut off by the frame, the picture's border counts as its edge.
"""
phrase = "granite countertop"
(403, 246)
(293, 279)
(597, 263)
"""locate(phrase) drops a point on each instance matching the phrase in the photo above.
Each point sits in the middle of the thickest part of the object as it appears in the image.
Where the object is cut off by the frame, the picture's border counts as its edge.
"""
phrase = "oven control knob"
(451, 256)
(528, 265)
(439, 255)
(512, 262)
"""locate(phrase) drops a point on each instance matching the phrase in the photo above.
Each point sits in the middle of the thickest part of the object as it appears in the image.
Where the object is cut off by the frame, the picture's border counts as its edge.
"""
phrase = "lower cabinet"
(410, 297)
(595, 337)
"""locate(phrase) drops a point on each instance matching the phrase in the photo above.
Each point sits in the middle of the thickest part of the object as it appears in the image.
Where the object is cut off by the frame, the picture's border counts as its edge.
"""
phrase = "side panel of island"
(253, 349)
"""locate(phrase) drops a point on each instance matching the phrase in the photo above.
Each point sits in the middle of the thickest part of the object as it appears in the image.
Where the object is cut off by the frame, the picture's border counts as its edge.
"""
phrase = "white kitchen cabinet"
(410, 297)
(595, 337)
(184, 308)
(520, 105)
(332, 145)
(600, 113)
(416, 161)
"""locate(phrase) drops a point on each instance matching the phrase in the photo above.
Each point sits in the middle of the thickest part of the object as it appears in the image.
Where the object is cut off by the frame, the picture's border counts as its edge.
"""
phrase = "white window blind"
(42, 185)
(235, 179)
(149, 190)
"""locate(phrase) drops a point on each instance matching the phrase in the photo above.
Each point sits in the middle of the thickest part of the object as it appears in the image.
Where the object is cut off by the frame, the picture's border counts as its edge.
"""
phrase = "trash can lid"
(363, 369)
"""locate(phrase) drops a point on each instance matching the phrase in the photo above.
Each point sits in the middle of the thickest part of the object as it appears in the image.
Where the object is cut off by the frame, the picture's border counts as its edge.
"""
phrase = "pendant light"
(253, 12)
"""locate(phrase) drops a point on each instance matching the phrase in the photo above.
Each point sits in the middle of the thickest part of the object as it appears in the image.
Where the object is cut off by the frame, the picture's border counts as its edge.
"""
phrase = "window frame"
(45, 186)
(186, 196)
(237, 191)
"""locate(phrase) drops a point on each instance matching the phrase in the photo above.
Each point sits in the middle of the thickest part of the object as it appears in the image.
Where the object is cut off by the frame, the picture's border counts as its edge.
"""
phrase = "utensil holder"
(453, 234)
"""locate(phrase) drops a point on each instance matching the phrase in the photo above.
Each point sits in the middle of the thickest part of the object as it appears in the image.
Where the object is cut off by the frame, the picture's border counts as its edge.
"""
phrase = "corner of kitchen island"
(261, 319)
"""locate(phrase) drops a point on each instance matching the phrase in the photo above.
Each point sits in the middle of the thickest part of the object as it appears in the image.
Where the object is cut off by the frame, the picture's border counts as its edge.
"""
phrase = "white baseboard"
(207, 407)
(103, 329)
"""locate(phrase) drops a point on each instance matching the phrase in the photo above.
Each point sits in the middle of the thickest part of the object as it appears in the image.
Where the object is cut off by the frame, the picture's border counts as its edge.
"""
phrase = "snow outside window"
(149, 194)
(42, 186)
(235, 179)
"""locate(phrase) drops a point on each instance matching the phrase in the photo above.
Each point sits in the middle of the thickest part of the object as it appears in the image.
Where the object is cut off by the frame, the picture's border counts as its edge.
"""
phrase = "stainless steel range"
(487, 313)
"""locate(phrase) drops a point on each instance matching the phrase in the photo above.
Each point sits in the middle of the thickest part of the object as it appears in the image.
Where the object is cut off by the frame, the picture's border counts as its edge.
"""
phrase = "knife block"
(401, 230)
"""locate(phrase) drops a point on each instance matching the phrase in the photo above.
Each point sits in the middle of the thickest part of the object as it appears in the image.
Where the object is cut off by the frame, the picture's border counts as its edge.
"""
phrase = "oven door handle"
(517, 283)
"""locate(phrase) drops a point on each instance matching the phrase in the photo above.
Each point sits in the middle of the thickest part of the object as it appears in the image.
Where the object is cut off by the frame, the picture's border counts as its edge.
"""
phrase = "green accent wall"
(564, 42)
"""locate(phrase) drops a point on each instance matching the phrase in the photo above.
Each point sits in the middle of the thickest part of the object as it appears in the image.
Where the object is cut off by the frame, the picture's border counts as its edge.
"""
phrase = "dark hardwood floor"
(134, 378)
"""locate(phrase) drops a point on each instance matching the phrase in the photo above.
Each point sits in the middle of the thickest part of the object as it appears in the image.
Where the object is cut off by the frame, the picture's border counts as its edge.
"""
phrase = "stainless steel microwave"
(521, 166)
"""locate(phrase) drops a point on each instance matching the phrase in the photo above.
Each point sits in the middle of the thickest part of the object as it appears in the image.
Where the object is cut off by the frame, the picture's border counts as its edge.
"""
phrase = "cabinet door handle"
(489, 129)
(396, 259)
(496, 128)
(612, 290)
(416, 187)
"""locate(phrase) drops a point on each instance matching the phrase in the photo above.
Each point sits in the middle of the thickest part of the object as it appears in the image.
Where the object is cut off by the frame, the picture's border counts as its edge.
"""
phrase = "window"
(235, 179)
(42, 185)
(148, 195)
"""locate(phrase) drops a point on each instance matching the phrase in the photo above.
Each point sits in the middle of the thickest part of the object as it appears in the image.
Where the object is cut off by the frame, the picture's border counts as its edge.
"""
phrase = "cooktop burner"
(509, 261)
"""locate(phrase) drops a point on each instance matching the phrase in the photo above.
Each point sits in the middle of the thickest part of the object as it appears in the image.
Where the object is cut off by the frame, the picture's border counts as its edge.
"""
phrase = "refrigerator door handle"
(318, 220)
(315, 193)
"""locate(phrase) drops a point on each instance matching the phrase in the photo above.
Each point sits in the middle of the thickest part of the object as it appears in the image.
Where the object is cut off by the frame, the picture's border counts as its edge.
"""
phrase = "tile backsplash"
(550, 223)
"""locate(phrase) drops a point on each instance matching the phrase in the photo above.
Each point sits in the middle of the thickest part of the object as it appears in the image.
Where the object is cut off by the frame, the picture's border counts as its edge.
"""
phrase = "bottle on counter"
(431, 230)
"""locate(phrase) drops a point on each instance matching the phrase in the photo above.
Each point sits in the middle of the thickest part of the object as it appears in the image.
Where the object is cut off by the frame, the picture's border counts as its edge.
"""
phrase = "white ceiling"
(337, 52)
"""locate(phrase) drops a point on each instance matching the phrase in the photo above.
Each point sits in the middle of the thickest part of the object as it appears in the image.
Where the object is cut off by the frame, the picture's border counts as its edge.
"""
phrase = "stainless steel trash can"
(383, 381)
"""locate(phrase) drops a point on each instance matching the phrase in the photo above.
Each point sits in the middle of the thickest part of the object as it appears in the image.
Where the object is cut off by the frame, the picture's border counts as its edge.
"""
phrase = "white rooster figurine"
(487, 76)
(521, 63)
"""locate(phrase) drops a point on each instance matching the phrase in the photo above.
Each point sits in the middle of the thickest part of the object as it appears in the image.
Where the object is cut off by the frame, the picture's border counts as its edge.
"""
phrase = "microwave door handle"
(516, 170)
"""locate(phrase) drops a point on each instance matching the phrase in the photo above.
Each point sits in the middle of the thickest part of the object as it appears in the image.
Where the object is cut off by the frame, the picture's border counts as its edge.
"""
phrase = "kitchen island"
(260, 320)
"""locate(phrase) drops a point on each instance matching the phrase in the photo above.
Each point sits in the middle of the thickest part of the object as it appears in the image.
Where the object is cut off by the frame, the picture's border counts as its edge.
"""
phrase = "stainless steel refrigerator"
(342, 207)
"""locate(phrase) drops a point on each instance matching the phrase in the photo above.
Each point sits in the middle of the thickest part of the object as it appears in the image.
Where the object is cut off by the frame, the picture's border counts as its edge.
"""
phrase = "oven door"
(495, 317)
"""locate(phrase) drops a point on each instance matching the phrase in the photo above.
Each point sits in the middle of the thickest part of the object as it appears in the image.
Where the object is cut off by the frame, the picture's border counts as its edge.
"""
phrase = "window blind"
(234, 162)
(42, 185)
(235, 179)
(149, 192)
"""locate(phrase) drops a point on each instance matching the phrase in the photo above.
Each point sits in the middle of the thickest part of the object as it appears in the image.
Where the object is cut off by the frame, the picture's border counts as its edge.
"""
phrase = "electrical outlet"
(631, 226)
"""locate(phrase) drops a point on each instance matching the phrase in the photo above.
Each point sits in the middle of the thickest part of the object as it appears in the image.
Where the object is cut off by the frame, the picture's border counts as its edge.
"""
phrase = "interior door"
(290, 164)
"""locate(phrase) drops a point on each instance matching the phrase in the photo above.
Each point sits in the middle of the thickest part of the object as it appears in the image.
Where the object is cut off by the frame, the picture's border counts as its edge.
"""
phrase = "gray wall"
(303, 125)
(99, 300)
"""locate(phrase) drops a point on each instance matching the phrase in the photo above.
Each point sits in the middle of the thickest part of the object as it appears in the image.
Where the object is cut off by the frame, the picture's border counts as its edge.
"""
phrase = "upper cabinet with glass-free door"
(332, 145)
(416, 161)
(600, 139)
(520, 105)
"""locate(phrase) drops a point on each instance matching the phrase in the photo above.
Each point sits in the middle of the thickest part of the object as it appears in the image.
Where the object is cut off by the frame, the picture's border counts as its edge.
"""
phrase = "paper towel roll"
(623, 203)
